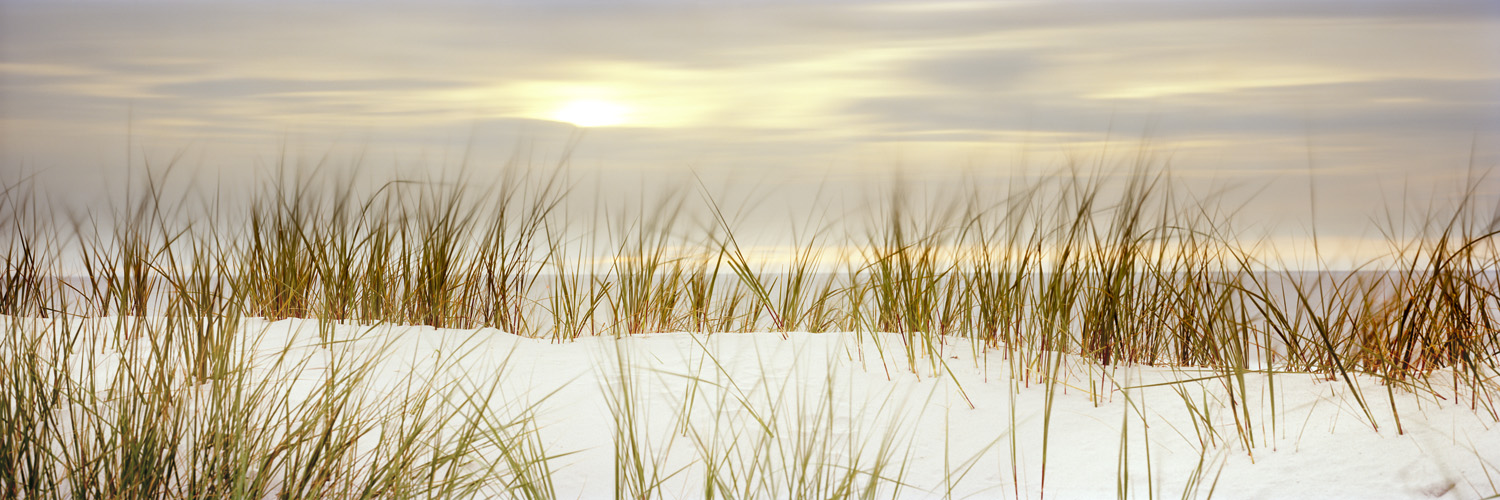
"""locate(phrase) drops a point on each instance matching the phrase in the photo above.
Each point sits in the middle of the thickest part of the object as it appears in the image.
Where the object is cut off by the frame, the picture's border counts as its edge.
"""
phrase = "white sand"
(1318, 443)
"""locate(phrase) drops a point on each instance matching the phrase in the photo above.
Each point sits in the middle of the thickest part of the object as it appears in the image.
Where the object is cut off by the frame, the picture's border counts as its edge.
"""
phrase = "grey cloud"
(538, 39)
(1082, 14)
(223, 59)
(978, 71)
(905, 116)
(1431, 92)
(1395, 105)
(220, 88)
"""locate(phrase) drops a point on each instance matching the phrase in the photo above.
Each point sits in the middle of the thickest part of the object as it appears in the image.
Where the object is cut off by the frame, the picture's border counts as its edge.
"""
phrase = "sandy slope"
(839, 399)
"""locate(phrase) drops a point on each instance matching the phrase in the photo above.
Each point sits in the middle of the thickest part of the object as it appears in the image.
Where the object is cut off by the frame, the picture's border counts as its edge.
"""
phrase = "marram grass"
(1067, 264)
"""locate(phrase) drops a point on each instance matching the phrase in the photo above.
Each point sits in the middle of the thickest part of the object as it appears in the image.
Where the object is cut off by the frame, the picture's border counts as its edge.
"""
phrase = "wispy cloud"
(1381, 86)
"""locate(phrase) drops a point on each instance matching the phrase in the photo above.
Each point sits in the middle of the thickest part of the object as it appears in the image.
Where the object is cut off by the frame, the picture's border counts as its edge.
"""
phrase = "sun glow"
(591, 113)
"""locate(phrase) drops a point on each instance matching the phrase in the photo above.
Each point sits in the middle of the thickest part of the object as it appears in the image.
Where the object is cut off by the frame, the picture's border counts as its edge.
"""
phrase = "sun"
(591, 113)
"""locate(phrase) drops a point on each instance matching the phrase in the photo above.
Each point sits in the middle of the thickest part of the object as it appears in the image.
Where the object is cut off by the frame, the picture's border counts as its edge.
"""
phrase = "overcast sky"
(1373, 94)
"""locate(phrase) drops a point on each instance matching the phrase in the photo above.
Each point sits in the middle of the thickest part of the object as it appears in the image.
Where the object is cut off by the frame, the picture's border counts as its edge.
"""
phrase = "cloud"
(230, 88)
(785, 87)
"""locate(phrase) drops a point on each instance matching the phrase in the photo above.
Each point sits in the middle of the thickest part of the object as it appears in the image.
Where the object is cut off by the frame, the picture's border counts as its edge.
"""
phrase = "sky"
(1371, 102)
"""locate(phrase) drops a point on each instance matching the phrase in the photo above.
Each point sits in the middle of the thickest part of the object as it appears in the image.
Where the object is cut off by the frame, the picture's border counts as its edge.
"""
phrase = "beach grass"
(128, 370)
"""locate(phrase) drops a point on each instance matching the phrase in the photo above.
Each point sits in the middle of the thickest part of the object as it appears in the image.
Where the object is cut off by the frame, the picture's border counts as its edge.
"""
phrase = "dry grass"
(1127, 272)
